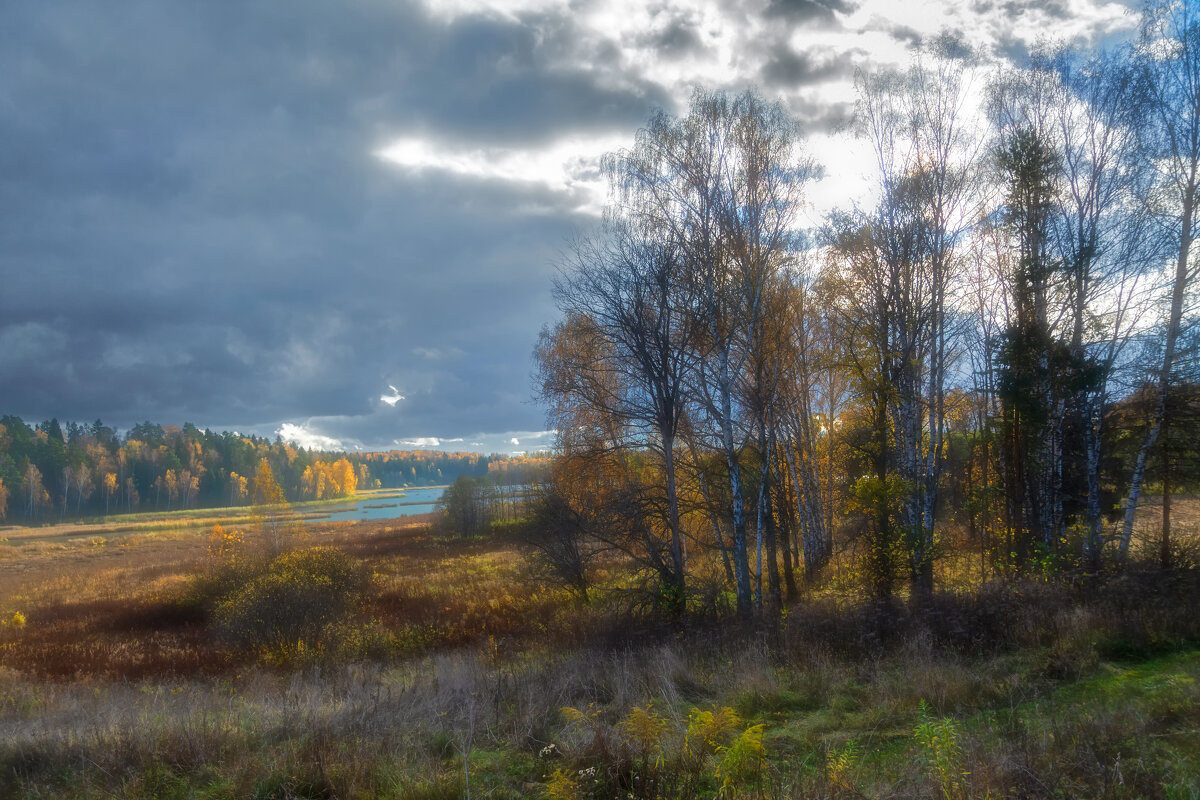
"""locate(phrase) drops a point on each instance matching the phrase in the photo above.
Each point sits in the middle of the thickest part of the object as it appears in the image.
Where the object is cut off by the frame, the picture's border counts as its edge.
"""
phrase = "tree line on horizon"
(51, 472)
(1000, 345)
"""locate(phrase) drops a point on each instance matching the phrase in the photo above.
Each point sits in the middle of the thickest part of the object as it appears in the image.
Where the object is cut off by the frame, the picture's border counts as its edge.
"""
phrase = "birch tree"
(1100, 231)
(723, 183)
(1169, 62)
(809, 408)
(925, 151)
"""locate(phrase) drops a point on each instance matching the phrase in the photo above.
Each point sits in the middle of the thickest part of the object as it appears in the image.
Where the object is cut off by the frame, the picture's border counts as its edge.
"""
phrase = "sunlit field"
(116, 525)
(123, 673)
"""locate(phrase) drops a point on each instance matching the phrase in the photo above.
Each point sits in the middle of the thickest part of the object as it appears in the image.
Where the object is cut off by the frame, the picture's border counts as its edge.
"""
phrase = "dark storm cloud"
(677, 40)
(903, 33)
(787, 68)
(477, 78)
(1009, 47)
(1058, 9)
(193, 224)
(810, 11)
(821, 118)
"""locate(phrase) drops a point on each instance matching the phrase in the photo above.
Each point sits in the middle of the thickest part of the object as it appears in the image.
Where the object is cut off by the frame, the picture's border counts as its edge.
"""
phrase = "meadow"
(157, 664)
(105, 527)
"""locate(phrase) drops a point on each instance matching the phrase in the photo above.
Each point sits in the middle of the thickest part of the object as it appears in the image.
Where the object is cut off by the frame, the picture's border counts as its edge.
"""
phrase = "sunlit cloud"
(511, 9)
(394, 397)
(569, 165)
(426, 441)
(309, 440)
(421, 441)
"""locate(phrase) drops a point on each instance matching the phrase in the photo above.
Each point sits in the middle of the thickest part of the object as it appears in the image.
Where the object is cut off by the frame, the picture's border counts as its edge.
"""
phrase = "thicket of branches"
(998, 346)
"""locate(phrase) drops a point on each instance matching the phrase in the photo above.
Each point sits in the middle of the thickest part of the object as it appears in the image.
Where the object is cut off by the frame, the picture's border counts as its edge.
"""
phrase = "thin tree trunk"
(677, 557)
(1165, 552)
(774, 598)
(787, 532)
(1093, 420)
(712, 517)
(759, 522)
(881, 548)
(741, 563)
(1168, 364)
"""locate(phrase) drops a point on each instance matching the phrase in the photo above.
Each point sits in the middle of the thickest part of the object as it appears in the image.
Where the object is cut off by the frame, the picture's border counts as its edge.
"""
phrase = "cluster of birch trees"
(737, 391)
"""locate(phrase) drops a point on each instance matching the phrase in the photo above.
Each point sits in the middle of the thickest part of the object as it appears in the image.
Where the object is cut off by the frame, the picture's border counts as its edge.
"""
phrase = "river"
(420, 500)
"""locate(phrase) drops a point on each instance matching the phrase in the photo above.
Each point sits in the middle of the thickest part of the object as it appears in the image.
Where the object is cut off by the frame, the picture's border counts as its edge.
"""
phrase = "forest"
(996, 352)
(52, 472)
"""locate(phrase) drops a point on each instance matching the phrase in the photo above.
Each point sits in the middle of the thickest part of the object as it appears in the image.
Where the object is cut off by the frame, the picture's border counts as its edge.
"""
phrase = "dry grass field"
(124, 673)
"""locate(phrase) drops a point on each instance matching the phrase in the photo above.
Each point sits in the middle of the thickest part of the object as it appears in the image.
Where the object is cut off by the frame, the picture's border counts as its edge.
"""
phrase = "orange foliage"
(224, 545)
(322, 481)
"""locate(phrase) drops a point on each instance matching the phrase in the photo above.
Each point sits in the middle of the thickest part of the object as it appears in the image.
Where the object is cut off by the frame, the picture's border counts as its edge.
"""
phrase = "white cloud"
(394, 397)
(310, 440)
(342, 434)
(422, 441)
(426, 441)
(569, 165)
(450, 9)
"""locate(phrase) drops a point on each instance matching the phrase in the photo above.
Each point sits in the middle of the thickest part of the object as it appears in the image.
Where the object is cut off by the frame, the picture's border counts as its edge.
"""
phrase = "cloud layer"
(338, 221)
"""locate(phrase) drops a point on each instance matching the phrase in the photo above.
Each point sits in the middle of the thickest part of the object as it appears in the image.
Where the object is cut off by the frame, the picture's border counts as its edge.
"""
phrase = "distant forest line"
(52, 471)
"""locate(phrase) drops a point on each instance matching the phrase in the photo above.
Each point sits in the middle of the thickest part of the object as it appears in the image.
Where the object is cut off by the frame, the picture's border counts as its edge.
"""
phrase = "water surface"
(415, 501)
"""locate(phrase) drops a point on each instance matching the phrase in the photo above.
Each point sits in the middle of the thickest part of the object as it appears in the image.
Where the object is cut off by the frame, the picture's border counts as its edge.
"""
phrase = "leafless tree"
(925, 154)
(723, 184)
(1169, 63)
(627, 283)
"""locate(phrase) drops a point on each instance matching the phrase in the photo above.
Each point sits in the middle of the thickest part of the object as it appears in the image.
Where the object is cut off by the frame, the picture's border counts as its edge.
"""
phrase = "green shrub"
(742, 762)
(298, 607)
(941, 745)
(290, 787)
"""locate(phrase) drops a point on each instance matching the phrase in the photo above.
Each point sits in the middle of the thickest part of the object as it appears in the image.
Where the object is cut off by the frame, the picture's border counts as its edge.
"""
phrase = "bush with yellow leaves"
(742, 762)
(563, 785)
(709, 730)
(840, 766)
(225, 544)
(298, 607)
(649, 757)
(939, 738)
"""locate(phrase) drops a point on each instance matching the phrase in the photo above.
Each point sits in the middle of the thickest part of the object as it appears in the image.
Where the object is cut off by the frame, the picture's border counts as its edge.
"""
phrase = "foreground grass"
(114, 684)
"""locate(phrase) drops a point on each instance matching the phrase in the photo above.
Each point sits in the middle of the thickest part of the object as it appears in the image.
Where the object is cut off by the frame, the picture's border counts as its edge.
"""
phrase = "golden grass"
(115, 609)
(168, 521)
(112, 682)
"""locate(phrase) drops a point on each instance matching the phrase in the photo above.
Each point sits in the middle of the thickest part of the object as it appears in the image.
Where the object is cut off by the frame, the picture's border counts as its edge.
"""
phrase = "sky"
(340, 222)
